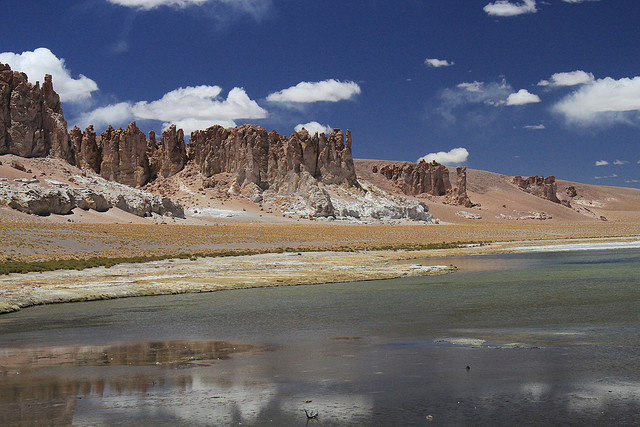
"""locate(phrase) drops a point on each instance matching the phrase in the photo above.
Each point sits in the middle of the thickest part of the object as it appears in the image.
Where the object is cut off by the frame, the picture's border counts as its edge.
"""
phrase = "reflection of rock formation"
(428, 178)
(27, 398)
(171, 353)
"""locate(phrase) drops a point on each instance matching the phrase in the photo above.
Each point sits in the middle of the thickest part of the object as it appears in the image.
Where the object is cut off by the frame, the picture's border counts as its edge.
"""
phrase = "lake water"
(515, 339)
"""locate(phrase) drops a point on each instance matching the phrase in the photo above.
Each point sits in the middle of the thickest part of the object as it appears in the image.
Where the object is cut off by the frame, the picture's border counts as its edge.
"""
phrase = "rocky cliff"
(31, 119)
(267, 158)
(428, 178)
(87, 152)
(539, 186)
(299, 175)
(267, 165)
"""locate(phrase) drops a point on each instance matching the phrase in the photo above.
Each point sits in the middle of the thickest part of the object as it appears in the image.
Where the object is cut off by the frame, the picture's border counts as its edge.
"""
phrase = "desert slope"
(498, 200)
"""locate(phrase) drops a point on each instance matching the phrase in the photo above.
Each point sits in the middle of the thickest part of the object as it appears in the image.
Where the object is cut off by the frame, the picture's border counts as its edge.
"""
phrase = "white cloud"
(190, 108)
(604, 100)
(114, 114)
(42, 61)
(505, 8)
(472, 94)
(577, 1)
(152, 4)
(326, 90)
(568, 79)
(522, 97)
(620, 162)
(201, 103)
(313, 127)
(601, 163)
(478, 93)
(606, 177)
(190, 125)
(453, 157)
(437, 63)
(535, 127)
(475, 86)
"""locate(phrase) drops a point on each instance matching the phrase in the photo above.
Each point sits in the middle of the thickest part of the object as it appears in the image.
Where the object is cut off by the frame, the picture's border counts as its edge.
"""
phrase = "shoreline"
(210, 274)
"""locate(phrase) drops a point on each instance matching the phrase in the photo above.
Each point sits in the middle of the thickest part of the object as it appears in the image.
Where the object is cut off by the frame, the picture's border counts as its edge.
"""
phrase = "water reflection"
(550, 342)
(347, 380)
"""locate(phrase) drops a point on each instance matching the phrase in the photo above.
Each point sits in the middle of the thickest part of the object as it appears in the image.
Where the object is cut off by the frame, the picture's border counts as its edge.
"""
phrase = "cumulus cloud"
(190, 125)
(42, 61)
(201, 103)
(604, 100)
(522, 97)
(577, 1)
(313, 127)
(572, 78)
(103, 116)
(601, 163)
(452, 157)
(437, 63)
(505, 8)
(535, 127)
(615, 175)
(190, 108)
(327, 90)
(620, 162)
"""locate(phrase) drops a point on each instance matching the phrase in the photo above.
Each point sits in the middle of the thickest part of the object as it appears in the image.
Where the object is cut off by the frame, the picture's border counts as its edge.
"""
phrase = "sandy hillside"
(499, 201)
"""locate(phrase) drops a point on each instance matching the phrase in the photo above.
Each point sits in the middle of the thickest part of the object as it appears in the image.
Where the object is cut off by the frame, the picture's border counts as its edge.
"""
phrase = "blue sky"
(518, 87)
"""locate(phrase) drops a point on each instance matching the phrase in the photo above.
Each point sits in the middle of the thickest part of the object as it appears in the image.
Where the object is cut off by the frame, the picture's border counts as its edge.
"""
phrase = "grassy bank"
(10, 266)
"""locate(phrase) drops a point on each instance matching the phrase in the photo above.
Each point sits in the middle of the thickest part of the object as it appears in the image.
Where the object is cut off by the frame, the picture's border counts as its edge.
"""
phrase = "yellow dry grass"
(38, 241)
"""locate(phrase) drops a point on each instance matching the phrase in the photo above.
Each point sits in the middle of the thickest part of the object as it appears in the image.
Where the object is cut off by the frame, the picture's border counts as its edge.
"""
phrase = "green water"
(549, 338)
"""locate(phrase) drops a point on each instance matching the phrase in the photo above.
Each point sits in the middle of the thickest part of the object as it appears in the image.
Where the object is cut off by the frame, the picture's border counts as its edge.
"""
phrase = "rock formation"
(267, 165)
(32, 197)
(87, 151)
(428, 178)
(172, 156)
(418, 178)
(264, 158)
(571, 191)
(301, 174)
(31, 119)
(539, 186)
(124, 158)
(458, 195)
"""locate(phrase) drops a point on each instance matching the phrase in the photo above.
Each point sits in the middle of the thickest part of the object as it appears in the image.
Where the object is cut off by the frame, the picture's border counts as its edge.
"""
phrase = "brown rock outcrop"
(124, 158)
(54, 124)
(428, 178)
(31, 119)
(458, 195)
(545, 188)
(173, 152)
(418, 178)
(267, 158)
(87, 152)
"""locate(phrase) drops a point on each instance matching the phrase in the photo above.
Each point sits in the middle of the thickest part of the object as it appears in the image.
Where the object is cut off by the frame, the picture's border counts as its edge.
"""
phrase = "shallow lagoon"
(549, 338)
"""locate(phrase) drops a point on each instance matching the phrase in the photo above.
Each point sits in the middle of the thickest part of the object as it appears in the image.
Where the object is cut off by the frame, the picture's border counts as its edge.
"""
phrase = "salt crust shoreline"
(176, 276)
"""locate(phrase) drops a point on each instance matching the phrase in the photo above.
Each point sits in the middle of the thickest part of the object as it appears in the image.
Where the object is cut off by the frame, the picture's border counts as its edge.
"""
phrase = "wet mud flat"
(534, 339)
